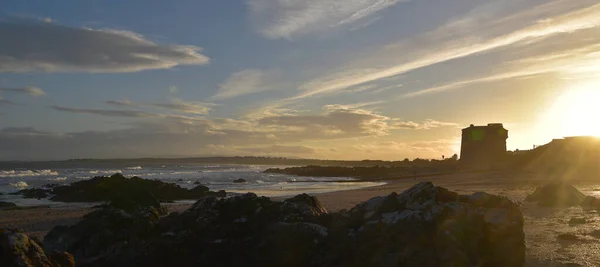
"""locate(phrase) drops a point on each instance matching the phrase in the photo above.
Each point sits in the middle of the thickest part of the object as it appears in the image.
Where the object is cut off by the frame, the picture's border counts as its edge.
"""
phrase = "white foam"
(27, 173)
(134, 168)
(57, 179)
(19, 185)
(105, 171)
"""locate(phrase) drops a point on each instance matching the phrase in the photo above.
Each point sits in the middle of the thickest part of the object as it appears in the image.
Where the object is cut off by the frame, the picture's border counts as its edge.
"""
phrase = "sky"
(353, 80)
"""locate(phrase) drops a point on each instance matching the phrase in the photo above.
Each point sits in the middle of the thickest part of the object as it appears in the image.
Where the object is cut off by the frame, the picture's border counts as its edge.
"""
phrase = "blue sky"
(379, 79)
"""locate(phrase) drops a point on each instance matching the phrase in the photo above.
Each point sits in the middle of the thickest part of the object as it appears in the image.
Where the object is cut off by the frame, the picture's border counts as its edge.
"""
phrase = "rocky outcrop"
(239, 181)
(423, 226)
(99, 189)
(17, 249)
(38, 193)
(557, 194)
(108, 229)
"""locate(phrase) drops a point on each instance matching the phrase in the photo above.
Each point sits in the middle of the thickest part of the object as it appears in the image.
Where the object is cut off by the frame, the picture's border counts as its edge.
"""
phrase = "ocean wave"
(105, 171)
(134, 168)
(57, 179)
(26, 173)
(19, 185)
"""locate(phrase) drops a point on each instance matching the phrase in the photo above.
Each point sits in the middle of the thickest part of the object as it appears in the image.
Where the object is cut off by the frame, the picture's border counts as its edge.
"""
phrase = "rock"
(568, 237)
(595, 233)
(38, 193)
(17, 249)
(302, 208)
(239, 181)
(423, 226)
(557, 194)
(576, 221)
(221, 193)
(117, 186)
(7, 205)
(107, 229)
(197, 182)
(407, 229)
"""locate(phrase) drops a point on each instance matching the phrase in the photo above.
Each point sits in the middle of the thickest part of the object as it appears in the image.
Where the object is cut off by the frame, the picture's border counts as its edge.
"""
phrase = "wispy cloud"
(287, 19)
(175, 104)
(6, 102)
(246, 82)
(41, 46)
(426, 125)
(448, 49)
(30, 90)
(105, 112)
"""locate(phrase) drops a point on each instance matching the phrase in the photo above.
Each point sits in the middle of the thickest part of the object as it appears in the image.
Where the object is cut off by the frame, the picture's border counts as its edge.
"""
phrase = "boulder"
(431, 226)
(107, 229)
(38, 193)
(557, 194)
(423, 226)
(17, 249)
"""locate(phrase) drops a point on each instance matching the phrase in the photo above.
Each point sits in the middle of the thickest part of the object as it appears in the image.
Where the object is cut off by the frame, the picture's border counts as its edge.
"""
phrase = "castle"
(482, 146)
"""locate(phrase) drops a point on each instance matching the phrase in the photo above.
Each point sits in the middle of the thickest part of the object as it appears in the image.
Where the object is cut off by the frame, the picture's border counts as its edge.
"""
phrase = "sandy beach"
(542, 226)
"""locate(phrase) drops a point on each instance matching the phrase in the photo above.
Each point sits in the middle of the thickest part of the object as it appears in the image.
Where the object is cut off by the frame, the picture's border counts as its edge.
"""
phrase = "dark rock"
(304, 205)
(199, 190)
(221, 193)
(35, 193)
(108, 229)
(179, 180)
(197, 182)
(239, 181)
(7, 205)
(117, 186)
(17, 249)
(576, 221)
(557, 194)
(423, 226)
(568, 237)
(595, 233)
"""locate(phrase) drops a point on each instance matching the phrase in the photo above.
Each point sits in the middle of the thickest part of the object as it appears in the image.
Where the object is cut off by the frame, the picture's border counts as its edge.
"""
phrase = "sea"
(215, 177)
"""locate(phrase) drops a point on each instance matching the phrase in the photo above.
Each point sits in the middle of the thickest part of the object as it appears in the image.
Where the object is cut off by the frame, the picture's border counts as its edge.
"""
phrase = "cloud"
(106, 112)
(175, 104)
(6, 102)
(447, 43)
(394, 149)
(30, 90)
(279, 149)
(336, 121)
(249, 81)
(39, 46)
(173, 89)
(426, 125)
(287, 19)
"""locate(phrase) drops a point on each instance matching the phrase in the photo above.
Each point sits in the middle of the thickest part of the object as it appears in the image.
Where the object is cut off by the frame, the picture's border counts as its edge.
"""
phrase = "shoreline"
(541, 228)
(38, 220)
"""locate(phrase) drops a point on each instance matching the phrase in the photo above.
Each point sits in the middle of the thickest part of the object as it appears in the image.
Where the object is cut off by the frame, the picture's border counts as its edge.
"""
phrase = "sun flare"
(577, 112)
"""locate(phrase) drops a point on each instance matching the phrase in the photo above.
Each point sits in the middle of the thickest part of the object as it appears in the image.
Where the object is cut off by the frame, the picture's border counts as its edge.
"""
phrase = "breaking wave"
(105, 171)
(28, 173)
(134, 168)
(57, 179)
(19, 185)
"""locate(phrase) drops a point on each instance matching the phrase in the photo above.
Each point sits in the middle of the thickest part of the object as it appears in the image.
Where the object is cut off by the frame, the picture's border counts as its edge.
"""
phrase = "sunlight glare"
(577, 112)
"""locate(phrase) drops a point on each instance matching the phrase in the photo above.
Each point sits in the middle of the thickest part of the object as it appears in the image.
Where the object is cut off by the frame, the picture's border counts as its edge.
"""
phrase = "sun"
(577, 112)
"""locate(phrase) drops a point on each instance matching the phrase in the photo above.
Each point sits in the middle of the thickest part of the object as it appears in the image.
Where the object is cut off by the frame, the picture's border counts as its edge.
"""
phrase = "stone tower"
(482, 146)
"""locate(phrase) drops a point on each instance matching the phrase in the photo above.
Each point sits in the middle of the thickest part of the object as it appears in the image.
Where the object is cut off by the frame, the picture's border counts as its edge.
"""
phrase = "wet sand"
(542, 225)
